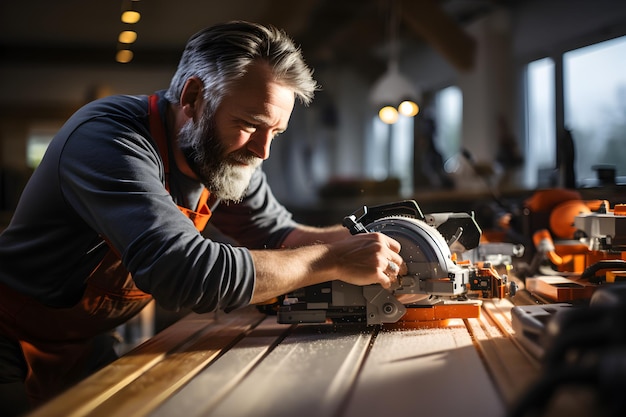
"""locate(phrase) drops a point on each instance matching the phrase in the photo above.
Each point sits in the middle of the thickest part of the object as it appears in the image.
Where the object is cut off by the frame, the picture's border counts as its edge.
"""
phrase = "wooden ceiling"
(331, 32)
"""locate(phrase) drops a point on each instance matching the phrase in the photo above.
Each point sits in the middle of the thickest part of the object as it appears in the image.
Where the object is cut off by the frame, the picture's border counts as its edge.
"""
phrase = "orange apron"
(57, 342)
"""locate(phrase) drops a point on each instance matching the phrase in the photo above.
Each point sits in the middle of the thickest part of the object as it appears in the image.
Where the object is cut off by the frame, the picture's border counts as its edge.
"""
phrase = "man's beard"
(221, 173)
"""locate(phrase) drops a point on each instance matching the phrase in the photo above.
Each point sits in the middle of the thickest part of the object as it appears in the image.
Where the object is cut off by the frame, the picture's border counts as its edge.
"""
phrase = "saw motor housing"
(434, 276)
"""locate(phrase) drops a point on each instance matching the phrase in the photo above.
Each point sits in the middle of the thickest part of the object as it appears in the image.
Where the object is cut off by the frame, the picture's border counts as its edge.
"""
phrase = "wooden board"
(511, 367)
(425, 372)
(309, 374)
(146, 369)
(559, 288)
(246, 364)
(213, 383)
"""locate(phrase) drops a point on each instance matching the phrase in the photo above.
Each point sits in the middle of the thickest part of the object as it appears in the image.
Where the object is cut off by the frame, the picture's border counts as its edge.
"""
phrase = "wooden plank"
(211, 385)
(308, 374)
(233, 366)
(424, 372)
(560, 289)
(154, 386)
(511, 367)
(95, 389)
(83, 398)
(515, 370)
(499, 310)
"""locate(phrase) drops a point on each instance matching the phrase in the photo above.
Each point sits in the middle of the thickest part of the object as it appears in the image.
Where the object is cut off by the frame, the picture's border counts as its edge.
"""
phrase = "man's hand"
(361, 259)
(368, 258)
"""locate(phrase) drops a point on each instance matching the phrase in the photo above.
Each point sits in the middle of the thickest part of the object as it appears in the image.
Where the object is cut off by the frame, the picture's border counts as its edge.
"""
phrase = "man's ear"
(191, 97)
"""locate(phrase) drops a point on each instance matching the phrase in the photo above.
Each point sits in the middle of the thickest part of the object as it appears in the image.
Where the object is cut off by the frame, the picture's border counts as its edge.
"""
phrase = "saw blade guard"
(430, 269)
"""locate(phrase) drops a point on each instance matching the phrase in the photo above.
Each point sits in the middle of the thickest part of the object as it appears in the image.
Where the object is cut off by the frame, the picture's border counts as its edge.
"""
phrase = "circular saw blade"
(424, 250)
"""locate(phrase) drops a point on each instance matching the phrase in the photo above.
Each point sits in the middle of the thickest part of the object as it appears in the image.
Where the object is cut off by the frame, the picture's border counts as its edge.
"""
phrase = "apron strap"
(201, 215)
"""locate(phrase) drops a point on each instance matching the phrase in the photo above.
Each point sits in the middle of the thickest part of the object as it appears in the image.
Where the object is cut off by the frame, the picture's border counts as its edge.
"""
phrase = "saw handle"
(366, 215)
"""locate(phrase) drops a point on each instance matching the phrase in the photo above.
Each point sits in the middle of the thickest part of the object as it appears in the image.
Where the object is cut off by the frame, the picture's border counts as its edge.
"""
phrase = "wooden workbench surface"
(246, 364)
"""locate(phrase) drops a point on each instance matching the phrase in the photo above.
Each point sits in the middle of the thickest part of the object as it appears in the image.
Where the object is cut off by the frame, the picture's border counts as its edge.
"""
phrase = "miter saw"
(437, 286)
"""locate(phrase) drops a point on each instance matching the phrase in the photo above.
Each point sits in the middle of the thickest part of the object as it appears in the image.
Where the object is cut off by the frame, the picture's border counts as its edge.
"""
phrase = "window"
(38, 140)
(540, 124)
(401, 149)
(594, 112)
(377, 151)
(389, 153)
(448, 119)
(594, 89)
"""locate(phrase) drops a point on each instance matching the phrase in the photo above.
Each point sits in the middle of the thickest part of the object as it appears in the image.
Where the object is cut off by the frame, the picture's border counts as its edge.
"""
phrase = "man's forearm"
(308, 235)
(281, 271)
(361, 259)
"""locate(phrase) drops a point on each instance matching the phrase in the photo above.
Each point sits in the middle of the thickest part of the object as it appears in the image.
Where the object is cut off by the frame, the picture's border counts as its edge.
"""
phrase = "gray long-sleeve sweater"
(102, 176)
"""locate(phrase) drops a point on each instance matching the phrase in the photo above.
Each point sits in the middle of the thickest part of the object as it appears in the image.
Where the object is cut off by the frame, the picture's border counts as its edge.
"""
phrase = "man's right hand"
(368, 258)
(362, 259)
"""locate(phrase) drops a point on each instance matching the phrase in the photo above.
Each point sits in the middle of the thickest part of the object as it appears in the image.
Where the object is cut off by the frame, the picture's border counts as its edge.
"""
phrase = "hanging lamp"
(393, 94)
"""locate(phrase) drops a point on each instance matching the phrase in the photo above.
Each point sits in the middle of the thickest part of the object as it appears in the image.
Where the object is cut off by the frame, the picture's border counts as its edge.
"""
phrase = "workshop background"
(504, 89)
(521, 121)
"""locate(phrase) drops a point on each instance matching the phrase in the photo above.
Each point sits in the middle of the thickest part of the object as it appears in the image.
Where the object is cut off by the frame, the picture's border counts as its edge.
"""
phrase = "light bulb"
(124, 56)
(127, 36)
(408, 108)
(130, 16)
(388, 115)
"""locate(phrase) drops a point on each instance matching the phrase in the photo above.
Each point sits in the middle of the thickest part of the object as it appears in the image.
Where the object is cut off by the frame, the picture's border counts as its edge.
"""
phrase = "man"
(112, 216)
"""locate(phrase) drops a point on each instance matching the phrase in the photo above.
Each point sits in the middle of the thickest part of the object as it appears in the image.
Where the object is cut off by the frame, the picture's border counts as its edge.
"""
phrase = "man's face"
(223, 149)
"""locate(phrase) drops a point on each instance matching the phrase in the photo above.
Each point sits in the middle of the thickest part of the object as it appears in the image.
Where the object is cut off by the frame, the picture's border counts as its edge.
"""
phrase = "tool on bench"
(578, 267)
(438, 285)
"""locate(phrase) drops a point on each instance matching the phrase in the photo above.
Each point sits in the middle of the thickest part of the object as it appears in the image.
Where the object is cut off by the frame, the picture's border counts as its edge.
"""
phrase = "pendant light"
(393, 94)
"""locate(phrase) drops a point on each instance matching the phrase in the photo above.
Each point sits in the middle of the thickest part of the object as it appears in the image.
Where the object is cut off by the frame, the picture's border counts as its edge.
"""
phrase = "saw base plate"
(438, 315)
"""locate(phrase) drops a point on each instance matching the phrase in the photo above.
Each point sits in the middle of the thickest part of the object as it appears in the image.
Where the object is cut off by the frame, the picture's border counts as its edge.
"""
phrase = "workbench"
(246, 364)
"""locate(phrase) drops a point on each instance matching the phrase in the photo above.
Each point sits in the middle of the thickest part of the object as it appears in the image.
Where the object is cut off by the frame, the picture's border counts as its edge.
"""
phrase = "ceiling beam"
(430, 21)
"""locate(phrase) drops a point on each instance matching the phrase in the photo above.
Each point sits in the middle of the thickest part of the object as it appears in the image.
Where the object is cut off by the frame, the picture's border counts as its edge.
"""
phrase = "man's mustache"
(246, 158)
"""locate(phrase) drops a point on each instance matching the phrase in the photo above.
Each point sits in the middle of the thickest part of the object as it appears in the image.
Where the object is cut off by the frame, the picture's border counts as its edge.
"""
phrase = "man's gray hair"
(221, 54)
